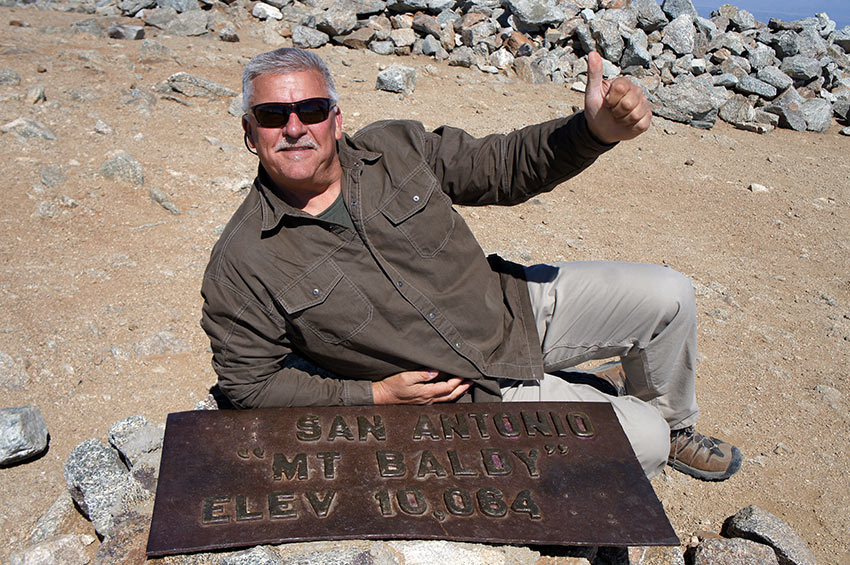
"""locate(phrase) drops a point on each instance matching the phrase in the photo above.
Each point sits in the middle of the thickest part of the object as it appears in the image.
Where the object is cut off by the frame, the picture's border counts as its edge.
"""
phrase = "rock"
(788, 107)
(35, 94)
(263, 11)
(228, 34)
(845, 131)
(842, 38)
(397, 79)
(67, 550)
(191, 85)
(23, 434)
(358, 39)
(132, 7)
(126, 543)
(189, 24)
(162, 343)
(308, 38)
(775, 77)
(801, 68)
(714, 551)
(649, 15)
(121, 165)
(841, 109)
(102, 128)
(737, 110)
(134, 438)
(163, 200)
(760, 56)
(337, 21)
(51, 176)
(761, 526)
(53, 522)
(750, 85)
(690, 101)
(635, 55)
(13, 374)
(125, 32)
(818, 114)
(754, 187)
(536, 12)
(676, 8)
(101, 485)
(608, 40)
(680, 35)
(180, 6)
(8, 77)
(153, 51)
(254, 556)
(26, 128)
(403, 37)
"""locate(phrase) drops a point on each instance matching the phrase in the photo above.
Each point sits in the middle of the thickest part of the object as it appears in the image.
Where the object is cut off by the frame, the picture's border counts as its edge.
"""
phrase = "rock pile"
(755, 76)
(113, 485)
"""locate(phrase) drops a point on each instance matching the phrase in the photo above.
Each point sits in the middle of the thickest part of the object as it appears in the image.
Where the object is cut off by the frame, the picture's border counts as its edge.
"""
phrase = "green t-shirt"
(337, 213)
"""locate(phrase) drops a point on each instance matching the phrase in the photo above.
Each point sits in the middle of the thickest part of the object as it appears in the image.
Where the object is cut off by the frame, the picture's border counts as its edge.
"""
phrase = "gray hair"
(280, 62)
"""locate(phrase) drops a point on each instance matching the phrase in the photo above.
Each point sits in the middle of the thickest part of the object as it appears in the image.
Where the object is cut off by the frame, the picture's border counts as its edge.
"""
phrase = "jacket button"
(416, 198)
(315, 292)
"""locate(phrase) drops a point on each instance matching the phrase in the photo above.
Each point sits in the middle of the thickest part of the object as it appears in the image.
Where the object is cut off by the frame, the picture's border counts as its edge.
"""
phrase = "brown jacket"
(408, 289)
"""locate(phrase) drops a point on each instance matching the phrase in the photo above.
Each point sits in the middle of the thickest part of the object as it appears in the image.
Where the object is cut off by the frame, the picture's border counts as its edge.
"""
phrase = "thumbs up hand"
(615, 111)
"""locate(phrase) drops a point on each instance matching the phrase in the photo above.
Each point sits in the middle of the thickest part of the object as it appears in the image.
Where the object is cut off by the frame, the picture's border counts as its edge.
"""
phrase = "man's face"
(298, 157)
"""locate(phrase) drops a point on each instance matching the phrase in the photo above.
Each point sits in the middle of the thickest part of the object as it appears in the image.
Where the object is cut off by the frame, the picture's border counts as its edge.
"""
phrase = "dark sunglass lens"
(312, 111)
(272, 115)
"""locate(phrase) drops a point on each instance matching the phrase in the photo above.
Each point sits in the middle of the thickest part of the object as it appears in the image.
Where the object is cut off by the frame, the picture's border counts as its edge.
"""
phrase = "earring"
(245, 139)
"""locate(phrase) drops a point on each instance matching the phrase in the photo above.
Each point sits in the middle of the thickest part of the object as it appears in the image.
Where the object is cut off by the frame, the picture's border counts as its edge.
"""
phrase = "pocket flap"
(411, 196)
(311, 289)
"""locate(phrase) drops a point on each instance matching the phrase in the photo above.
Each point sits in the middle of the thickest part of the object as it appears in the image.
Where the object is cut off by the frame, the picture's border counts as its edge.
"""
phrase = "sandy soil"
(87, 294)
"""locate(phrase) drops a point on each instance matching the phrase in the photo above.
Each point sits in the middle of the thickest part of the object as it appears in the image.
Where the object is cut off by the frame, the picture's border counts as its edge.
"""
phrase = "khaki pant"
(644, 314)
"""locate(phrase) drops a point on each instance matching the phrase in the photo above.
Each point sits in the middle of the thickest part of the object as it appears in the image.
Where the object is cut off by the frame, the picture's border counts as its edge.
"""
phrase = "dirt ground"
(100, 292)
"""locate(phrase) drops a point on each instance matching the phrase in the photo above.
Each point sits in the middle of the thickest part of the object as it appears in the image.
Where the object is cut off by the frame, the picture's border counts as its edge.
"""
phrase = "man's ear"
(249, 132)
(338, 123)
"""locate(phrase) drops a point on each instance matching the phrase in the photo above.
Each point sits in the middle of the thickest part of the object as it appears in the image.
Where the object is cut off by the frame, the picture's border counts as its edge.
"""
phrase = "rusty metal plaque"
(555, 473)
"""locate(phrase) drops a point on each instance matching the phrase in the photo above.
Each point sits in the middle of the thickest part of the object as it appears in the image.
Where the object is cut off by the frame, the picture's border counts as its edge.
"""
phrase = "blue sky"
(763, 10)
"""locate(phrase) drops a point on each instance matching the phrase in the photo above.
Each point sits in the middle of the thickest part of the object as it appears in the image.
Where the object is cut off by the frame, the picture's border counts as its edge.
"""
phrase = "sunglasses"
(276, 114)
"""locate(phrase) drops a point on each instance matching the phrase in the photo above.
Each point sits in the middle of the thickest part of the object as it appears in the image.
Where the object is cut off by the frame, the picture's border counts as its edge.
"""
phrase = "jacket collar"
(273, 208)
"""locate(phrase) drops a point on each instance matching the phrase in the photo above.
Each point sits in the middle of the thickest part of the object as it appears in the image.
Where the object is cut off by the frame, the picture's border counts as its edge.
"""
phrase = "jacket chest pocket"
(327, 303)
(421, 212)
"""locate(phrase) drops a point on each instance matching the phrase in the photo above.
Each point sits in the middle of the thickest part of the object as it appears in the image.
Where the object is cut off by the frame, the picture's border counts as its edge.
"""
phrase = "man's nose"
(294, 126)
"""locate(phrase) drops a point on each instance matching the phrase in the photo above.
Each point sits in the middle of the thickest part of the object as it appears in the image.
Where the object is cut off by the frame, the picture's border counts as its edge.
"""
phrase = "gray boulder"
(134, 438)
(308, 38)
(397, 78)
(818, 114)
(841, 109)
(180, 6)
(775, 77)
(649, 15)
(750, 85)
(191, 85)
(800, 67)
(788, 107)
(189, 24)
(23, 434)
(676, 8)
(132, 7)
(712, 551)
(842, 38)
(690, 101)
(101, 485)
(125, 32)
(263, 11)
(536, 12)
(786, 43)
(338, 20)
(761, 526)
(608, 39)
(680, 35)
(760, 55)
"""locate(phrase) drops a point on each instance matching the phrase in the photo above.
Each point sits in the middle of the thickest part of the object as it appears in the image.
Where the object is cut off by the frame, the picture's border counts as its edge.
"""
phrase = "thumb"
(593, 94)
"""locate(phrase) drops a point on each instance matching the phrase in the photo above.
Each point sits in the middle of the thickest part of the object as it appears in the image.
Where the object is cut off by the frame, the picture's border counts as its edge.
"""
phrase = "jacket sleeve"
(511, 168)
(256, 365)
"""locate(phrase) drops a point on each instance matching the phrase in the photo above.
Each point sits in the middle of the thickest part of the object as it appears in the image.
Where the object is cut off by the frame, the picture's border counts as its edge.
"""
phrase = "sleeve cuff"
(357, 393)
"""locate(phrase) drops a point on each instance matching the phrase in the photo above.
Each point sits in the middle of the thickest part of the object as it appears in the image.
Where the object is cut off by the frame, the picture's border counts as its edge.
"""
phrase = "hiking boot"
(701, 456)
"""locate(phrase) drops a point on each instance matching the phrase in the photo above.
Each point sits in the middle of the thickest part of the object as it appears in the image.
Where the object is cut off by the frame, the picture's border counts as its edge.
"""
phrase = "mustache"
(284, 144)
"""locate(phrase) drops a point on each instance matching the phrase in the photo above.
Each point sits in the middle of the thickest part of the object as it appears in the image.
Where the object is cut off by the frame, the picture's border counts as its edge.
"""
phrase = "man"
(347, 253)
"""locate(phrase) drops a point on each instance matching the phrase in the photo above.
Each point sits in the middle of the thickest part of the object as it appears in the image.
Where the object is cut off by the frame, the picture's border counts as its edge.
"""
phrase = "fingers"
(628, 105)
(594, 73)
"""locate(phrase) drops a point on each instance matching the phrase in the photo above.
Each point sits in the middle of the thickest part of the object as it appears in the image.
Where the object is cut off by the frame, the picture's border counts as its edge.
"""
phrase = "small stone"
(121, 165)
(102, 128)
(758, 188)
(305, 37)
(153, 51)
(67, 549)
(125, 32)
(228, 34)
(13, 374)
(134, 438)
(163, 200)
(35, 94)
(717, 550)
(55, 520)
(782, 449)
(845, 131)
(191, 85)
(26, 128)
(761, 526)
(397, 78)
(8, 77)
(23, 434)
(263, 11)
